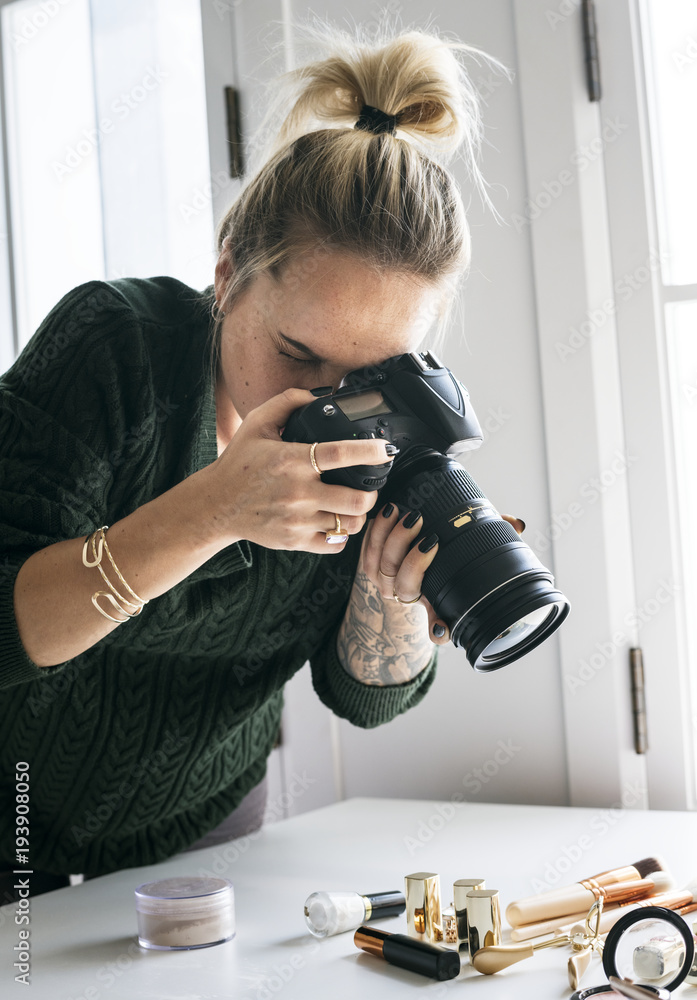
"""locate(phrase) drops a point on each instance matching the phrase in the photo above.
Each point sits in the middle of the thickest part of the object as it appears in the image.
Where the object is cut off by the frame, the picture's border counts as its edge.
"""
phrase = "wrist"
(204, 514)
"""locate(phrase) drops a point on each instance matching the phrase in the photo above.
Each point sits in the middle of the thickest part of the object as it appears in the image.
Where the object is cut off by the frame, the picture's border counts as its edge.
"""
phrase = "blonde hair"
(388, 198)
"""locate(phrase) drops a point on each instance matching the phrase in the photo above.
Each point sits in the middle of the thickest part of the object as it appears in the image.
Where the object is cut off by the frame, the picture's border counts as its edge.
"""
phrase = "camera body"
(498, 600)
(412, 401)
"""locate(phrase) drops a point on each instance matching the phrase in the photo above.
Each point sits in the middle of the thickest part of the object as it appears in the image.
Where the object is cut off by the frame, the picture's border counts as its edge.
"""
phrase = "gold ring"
(400, 601)
(386, 576)
(337, 536)
(313, 459)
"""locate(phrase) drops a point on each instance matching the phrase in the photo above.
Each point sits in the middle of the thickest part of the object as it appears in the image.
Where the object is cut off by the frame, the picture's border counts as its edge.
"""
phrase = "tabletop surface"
(84, 944)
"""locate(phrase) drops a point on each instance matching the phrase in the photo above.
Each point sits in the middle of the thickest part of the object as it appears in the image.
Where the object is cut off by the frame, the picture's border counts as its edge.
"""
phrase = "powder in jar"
(187, 912)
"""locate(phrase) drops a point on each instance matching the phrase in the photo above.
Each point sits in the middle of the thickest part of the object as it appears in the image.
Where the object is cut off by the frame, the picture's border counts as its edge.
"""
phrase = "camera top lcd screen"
(363, 404)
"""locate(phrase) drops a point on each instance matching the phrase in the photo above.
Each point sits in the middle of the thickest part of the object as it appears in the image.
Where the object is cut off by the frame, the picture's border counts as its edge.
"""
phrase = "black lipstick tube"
(408, 953)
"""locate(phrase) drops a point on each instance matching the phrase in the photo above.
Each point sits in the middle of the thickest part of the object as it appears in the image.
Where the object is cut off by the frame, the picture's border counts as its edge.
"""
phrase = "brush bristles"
(649, 865)
(692, 887)
(662, 882)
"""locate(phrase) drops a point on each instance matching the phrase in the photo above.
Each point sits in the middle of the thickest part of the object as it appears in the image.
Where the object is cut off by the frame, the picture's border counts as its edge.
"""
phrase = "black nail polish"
(387, 510)
(323, 390)
(439, 630)
(411, 519)
(427, 543)
(522, 522)
(392, 449)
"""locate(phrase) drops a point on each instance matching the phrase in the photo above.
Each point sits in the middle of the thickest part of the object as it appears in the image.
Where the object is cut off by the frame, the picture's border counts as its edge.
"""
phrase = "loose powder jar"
(180, 913)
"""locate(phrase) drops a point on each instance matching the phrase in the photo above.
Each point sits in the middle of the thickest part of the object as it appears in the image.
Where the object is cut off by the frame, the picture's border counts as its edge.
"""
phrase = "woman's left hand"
(397, 570)
(383, 640)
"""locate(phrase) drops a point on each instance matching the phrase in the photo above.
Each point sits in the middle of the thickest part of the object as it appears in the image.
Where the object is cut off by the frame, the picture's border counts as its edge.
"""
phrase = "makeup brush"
(674, 900)
(660, 881)
(571, 899)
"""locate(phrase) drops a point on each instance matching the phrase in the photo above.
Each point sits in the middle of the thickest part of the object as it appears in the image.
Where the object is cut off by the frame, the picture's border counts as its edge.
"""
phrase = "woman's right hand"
(265, 490)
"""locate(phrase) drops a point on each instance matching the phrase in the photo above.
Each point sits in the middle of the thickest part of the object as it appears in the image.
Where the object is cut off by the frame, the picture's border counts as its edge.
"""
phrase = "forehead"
(346, 311)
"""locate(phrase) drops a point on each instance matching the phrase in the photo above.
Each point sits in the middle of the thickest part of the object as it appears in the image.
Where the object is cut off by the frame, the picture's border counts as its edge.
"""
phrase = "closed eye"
(301, 361)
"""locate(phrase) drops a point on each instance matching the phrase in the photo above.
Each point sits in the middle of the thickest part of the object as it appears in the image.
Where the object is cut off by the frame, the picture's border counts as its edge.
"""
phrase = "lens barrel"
(497, 598)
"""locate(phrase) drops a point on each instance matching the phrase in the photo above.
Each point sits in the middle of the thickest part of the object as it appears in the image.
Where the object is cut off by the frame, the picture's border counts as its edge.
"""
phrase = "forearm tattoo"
(381, 642)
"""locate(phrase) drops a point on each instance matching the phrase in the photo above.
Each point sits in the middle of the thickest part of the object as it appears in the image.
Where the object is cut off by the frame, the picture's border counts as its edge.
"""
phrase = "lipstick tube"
(406, 952)
(460, 890)
(422, 893)
(328, 913)
(484, 919)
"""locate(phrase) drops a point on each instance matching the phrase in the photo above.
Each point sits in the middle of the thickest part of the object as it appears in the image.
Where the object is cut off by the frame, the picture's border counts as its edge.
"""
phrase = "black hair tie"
(375, 120)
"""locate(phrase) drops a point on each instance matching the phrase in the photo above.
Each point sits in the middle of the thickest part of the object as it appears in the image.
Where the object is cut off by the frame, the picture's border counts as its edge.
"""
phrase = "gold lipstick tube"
(484, 919)
(460, 890)
(422, 893)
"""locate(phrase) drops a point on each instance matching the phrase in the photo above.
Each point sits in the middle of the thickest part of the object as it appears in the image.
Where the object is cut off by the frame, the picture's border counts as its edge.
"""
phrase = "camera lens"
(498, 600)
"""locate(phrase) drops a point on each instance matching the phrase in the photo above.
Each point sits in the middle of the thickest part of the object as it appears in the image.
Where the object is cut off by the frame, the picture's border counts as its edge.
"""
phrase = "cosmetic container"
(460, 890)
(484, 918)
(422, 892)
(328, 913)
(176, 914)
(626, 990)
(648, 952)
(406, 952)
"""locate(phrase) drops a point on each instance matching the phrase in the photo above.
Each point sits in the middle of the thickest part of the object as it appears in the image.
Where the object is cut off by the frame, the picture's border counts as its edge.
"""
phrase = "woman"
(143, 663)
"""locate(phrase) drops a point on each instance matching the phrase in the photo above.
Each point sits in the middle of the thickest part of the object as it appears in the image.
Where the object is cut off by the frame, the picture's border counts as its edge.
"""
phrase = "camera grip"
(358, 477)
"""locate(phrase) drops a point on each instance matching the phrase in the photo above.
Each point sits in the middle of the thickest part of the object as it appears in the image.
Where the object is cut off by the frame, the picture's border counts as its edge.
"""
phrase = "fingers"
(389, 559)
(517, 522)
(438, 631)
(273, 415)
(342, 454)
(398, 568)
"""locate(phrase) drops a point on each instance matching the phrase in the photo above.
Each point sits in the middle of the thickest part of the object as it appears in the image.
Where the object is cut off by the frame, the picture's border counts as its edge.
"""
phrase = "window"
(106, 146)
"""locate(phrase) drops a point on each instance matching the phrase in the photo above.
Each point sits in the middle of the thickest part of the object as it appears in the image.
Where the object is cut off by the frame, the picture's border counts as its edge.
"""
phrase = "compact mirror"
(650, 946)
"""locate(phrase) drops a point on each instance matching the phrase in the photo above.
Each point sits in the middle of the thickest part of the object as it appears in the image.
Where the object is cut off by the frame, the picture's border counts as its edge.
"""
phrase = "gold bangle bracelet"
(103, 593)
(139, 600)
(91, 540)
(112, 588)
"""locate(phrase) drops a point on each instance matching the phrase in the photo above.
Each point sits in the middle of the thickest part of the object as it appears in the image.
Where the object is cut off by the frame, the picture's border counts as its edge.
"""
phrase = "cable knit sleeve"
(69, 422)
(365, 705)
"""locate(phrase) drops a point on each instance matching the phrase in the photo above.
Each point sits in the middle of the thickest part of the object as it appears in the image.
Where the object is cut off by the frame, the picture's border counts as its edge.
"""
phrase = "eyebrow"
(300, 346)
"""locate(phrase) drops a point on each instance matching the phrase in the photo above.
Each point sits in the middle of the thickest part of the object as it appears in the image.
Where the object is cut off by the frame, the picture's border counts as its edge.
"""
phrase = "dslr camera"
(497, 598)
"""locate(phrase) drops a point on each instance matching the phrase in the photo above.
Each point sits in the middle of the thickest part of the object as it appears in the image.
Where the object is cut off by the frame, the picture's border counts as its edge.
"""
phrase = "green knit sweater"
(143, 743)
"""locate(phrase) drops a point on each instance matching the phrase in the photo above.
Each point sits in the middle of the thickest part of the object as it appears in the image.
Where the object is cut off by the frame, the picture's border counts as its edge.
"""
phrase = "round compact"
(652, 946)
(182, 913)
(607, 991)
(648, 952)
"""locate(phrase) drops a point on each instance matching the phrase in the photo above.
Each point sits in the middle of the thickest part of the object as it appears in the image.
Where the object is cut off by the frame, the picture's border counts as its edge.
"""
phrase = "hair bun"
(414, 75)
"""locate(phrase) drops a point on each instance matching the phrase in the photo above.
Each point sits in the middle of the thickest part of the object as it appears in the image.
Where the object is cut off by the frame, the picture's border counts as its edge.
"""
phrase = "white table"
(84, 944)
